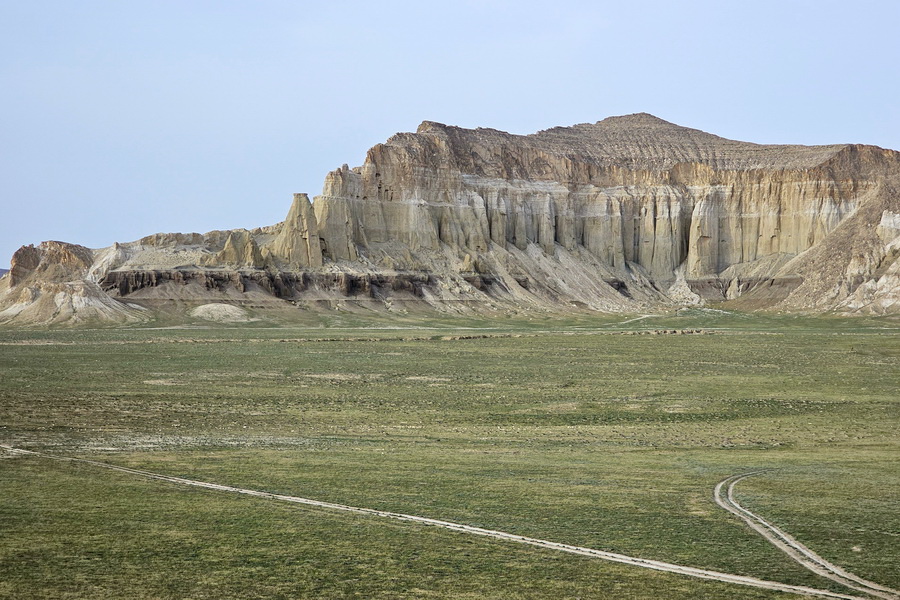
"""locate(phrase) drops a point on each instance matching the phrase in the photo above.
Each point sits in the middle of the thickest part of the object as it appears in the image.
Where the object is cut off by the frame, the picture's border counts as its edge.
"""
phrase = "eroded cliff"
(643, 197)
(626, 214)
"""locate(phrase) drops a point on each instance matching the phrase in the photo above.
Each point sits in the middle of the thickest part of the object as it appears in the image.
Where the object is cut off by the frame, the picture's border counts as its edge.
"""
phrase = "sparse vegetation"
(558, 430)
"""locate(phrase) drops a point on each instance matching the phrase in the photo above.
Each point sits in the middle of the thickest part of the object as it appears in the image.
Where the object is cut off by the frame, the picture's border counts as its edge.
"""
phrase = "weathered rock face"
(637, 193)
(284, 285)
(298, 244)
(48, 285)
(625, 214)
(240, 250)
(51, 262)
(684, 196)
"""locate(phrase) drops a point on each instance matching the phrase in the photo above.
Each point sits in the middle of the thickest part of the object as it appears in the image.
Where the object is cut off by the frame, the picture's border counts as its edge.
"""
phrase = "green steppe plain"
(576, 431)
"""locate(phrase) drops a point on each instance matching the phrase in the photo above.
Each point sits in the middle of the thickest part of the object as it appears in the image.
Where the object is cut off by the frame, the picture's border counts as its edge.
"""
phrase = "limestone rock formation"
(642, 197)
(239, 250)
(629, 213)
(298, 244)
(48, 285)
(51, 262)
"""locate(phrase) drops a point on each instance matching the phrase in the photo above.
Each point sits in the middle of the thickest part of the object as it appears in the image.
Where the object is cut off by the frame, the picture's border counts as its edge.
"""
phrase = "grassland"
(575, 431)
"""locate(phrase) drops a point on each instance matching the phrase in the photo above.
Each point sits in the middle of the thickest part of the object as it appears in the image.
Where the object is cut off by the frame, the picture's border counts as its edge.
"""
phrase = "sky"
(123, 119)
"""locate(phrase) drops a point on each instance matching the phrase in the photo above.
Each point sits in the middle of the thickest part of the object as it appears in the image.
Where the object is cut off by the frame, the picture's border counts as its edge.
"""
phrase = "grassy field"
(591, 432)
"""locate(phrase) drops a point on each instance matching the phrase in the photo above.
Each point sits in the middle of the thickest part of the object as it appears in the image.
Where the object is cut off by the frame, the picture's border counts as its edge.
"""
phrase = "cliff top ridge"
(637, 141)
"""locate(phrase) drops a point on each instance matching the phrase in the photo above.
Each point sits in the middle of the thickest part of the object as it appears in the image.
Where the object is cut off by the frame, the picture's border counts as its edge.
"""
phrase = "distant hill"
(3, 272)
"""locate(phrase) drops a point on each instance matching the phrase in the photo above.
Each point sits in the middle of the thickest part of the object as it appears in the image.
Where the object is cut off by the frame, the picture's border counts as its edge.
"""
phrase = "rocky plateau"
(629, 214)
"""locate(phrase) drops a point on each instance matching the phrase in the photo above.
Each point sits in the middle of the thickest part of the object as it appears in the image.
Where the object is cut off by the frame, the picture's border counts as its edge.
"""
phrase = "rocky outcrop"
(639, 194)
(48, 285)
(565, 187)
(239, 250)
(297, 244)
(629, 213)
(284, 285)
(51, 262)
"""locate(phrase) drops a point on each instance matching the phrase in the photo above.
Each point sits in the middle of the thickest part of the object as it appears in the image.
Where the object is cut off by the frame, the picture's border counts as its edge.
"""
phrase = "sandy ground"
(221, 313)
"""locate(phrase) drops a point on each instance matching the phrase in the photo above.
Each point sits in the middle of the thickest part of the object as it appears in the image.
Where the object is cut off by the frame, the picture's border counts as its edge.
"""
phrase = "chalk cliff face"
(630, 213)
(643, 197)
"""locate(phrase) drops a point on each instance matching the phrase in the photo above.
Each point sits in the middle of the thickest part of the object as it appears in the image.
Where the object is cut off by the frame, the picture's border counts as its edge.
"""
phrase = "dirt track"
(724, 495)
(500, 535)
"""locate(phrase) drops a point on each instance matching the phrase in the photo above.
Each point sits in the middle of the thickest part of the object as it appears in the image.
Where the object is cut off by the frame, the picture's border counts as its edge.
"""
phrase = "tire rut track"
(724, 496)
(500, 535)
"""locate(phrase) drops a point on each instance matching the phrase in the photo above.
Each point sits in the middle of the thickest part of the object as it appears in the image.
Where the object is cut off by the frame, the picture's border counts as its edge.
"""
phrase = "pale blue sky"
(125, 118)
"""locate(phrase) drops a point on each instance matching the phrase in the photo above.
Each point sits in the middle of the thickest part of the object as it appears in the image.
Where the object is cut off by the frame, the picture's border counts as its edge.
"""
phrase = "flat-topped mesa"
(632, 191)
(634, 142)
(629, 213)
(642, 141)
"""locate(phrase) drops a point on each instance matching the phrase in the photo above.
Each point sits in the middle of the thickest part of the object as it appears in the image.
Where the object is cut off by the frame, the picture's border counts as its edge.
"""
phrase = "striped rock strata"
(629, 213)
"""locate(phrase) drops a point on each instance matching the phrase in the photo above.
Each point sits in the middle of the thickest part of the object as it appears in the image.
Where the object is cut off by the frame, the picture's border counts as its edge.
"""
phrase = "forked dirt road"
(724, 495)
(500, 535)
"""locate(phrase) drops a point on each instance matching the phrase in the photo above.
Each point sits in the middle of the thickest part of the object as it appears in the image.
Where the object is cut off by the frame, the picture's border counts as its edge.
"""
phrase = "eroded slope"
(629, 213)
